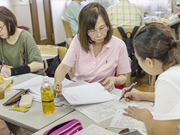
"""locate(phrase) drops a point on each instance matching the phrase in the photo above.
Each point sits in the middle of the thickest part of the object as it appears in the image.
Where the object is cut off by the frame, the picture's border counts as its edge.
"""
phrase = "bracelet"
(20, 70)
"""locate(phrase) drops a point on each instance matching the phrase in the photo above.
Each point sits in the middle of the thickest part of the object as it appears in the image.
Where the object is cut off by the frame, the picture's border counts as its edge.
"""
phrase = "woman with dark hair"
(95, 53)
(158, 53)
(18, 51)
(17, 47)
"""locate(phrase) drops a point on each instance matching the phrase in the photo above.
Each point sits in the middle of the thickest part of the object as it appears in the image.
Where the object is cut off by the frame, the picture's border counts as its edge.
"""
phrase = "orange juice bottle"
(47, 96)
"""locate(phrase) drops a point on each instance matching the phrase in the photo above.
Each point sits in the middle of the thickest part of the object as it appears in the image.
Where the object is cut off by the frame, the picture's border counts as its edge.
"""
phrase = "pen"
(57, 87)
(130, 88)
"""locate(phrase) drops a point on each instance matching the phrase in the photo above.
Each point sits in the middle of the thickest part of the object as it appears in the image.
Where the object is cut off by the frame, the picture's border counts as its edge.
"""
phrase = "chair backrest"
(66, 27)
(53, 50)
(48, 49)
(126, 29)
(62, 51)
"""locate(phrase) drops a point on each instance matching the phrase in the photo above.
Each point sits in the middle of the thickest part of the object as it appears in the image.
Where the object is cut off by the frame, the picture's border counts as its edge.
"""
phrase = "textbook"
(88, 93)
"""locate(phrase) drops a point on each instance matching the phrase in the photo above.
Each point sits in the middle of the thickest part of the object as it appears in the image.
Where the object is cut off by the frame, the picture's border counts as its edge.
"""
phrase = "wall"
(58, 10)
(6, 3)
(23, 14)
(21, 11)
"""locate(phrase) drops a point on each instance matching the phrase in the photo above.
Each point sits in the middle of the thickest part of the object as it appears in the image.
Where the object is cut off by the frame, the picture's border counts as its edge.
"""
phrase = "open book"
(86, 94)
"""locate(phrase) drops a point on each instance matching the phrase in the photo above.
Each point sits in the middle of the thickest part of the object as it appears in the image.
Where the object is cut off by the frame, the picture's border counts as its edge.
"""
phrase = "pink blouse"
(113, 57)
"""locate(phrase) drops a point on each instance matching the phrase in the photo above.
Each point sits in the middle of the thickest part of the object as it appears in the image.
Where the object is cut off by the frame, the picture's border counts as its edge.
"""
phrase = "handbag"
(50, 66)
(66, 128)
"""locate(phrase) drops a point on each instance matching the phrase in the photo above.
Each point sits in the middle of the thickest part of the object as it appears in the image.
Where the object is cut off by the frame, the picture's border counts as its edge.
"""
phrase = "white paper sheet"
(95, 130)
(103, 111)
(9, 78)
(86, 94)
(121, 121)
(34, 85)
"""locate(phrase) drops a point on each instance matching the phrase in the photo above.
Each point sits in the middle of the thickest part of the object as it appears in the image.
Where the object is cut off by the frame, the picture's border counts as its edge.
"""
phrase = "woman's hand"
(109, 83)
(136, 112)
(6, 71)
(134, 94)
(57, 89)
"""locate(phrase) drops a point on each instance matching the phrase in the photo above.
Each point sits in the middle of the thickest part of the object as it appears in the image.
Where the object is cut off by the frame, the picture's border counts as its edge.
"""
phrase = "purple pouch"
(66, 128)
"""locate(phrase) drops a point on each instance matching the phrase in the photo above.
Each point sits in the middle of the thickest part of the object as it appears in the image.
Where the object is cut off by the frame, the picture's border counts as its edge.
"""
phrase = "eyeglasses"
(1, 28)
(95, 32)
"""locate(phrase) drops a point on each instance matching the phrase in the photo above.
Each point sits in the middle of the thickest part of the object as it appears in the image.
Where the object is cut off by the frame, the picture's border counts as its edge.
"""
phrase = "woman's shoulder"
(25, 34)
(171, 73)
(115, 41)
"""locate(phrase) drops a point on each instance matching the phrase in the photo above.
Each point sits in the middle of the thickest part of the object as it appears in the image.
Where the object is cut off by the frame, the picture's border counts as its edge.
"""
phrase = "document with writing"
(95, 130)
(121, 121)
(86, 94)
(103, 111)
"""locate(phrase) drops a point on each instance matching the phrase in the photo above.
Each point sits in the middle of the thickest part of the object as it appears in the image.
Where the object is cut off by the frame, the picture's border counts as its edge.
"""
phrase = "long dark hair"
(157, 41)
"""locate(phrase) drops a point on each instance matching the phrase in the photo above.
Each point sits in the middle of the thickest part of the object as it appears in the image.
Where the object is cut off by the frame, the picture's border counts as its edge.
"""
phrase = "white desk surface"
(47, 56)
(175, 22)
(34, 119)
(85, 121)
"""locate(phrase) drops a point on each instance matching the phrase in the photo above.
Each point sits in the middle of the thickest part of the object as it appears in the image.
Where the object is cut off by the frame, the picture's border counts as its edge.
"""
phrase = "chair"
(67, 31)
(51, 63)
(48, 50)
(62, 51)
(117, 34)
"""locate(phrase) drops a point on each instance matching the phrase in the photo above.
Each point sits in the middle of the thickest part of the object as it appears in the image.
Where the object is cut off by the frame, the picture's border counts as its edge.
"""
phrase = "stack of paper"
(86, 94)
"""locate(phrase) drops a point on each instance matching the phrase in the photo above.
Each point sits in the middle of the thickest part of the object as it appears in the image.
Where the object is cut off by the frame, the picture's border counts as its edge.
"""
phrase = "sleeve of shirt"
(32, 51)
(71, 55)
(124, 63)
(167, 101)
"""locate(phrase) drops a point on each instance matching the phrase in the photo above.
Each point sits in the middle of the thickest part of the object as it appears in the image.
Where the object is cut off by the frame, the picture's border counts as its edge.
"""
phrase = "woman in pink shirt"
(95, 53)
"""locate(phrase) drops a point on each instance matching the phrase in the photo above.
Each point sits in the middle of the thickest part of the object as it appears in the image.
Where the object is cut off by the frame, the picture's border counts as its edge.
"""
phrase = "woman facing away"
(18, 52)
(158, 53)
(95, 53)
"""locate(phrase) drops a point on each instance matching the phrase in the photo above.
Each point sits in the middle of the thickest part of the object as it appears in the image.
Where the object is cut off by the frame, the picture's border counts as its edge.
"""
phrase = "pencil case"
(16, 97)
(66, 128)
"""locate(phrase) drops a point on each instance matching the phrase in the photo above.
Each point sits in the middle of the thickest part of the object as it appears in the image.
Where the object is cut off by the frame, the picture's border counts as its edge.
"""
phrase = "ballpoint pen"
(130, 88)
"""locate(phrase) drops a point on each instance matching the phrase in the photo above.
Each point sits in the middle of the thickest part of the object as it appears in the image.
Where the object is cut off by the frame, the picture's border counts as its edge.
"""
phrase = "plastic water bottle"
(47, 96)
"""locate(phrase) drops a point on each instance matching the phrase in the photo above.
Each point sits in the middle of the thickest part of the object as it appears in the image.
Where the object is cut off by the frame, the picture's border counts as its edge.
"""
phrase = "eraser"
(26, 101)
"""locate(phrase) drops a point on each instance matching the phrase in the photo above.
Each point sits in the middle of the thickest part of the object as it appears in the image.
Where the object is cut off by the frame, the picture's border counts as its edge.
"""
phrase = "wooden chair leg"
(153, 78)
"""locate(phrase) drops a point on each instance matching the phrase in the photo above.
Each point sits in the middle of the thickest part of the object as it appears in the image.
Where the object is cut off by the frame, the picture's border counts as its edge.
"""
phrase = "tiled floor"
(142, 85)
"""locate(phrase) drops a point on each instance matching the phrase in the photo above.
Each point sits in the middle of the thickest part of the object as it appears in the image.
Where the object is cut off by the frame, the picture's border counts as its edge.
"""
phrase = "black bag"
(136, 69)
(50, 66)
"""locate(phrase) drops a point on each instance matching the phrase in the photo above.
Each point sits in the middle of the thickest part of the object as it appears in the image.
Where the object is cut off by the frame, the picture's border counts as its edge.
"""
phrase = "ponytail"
(173, 56)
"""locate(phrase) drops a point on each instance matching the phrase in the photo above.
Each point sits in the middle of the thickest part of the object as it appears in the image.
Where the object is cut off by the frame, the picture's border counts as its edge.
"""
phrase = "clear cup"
(2, 89)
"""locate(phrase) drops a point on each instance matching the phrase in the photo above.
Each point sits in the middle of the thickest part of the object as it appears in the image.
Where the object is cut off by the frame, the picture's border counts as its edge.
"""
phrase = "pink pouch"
(66, 128)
